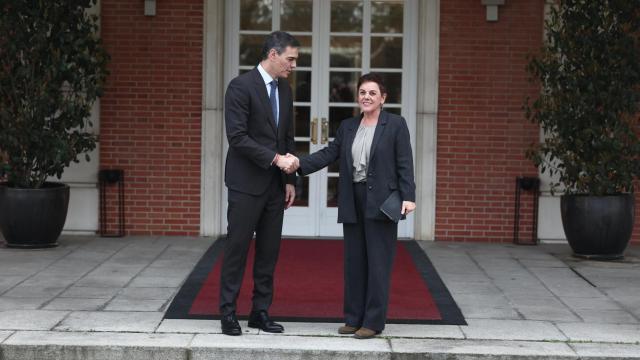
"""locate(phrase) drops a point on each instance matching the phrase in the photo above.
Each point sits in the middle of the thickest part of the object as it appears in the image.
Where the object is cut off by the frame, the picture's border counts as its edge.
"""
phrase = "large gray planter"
(33, 218)
(598, 227)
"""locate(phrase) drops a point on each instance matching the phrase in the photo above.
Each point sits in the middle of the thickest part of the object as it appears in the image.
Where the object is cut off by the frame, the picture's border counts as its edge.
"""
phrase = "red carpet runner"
(309, 286)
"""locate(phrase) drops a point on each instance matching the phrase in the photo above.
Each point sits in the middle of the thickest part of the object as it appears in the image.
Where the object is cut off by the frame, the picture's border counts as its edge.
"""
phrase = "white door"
(340, 40)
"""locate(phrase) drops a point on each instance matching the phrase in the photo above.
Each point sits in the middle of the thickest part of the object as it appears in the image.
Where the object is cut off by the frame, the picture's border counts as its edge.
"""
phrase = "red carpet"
(309, 286)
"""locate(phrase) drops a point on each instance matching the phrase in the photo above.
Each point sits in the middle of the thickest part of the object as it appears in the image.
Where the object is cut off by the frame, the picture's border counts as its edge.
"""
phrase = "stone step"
(36, 345)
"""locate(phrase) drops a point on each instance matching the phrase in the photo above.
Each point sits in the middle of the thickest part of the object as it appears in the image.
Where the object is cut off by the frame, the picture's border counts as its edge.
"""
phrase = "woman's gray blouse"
(360, 151)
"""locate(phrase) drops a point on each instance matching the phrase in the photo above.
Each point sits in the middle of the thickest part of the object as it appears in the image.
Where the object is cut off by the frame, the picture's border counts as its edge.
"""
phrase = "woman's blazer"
(390, 165)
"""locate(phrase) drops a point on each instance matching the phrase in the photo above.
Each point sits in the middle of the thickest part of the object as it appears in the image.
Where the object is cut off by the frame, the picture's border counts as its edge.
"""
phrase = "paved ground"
(94, 298)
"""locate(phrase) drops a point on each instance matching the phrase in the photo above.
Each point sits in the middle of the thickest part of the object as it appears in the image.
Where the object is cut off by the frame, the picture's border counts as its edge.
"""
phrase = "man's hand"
(288, 163)
(289, 195)
(407, 207)
(296, 163)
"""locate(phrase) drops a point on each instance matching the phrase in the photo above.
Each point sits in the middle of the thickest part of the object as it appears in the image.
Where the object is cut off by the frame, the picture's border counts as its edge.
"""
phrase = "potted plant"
(52, 69)
(589, 72)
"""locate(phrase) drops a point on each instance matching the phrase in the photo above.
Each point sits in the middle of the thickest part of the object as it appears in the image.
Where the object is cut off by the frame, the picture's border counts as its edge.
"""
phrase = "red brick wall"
(482, 131)
(150, 116)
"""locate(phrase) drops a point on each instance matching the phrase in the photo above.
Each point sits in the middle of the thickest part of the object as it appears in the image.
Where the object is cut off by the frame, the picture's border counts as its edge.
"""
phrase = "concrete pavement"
(104, 298)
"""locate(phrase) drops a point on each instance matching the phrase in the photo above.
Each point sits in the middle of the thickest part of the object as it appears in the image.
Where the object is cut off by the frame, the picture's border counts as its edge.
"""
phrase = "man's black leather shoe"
(260, 320)
(230, 325)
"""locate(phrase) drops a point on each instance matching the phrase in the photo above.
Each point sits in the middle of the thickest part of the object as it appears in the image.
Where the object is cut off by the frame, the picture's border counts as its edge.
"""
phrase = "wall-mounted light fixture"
(492, 8)
(150, 7)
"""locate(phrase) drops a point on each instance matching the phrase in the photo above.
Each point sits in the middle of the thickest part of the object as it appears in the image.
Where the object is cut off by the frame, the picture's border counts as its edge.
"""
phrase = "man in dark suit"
(259, 123)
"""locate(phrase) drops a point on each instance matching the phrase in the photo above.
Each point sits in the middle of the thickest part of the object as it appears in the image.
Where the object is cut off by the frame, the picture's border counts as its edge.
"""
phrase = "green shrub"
(52, 68)
(589, 72)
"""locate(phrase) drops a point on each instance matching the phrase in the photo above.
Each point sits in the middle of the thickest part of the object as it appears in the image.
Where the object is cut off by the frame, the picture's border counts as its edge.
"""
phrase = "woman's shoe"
(364, 333)
(347, 330)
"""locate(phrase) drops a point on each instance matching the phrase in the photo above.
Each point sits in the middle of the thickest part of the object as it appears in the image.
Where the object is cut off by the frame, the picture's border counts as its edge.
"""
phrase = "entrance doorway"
(340, 40)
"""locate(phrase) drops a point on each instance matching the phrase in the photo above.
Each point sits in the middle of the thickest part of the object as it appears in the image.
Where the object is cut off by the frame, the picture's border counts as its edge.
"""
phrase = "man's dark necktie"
(273, 100)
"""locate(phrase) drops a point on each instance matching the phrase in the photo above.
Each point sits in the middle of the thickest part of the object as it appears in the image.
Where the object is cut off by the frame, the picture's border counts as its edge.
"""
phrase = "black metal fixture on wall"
(106, 178)
(529, 184)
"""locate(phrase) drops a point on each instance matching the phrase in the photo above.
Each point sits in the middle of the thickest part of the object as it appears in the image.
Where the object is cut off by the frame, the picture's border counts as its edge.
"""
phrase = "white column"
(82, 177)
(426, 118)
(549, 218)
(212, 119)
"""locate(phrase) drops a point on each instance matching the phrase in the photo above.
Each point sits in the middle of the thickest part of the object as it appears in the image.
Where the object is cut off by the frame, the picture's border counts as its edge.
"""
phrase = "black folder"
(393, 206)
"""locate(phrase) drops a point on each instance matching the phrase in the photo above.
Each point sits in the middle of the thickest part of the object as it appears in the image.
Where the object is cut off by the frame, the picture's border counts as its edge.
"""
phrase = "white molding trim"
(212, 129)
(426, 118)
(549, 217)
(230, 47)
(82, 177)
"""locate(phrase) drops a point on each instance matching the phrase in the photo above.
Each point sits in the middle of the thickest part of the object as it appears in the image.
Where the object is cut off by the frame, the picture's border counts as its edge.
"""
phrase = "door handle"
(314, 130)
(325, 131)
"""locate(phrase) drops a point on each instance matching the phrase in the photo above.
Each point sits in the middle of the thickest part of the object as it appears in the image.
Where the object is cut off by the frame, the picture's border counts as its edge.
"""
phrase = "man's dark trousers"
(246, 212)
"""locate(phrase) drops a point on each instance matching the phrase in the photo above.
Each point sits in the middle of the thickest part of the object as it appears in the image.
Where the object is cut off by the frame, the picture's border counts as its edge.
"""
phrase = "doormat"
(308, 286)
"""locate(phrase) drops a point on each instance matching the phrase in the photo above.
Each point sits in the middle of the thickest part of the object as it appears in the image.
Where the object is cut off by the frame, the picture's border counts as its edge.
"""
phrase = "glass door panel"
(346, 16)
(387, 16)
(256, 15)
(386, 52)
(296, 15)
(304, 52)
(343, 86)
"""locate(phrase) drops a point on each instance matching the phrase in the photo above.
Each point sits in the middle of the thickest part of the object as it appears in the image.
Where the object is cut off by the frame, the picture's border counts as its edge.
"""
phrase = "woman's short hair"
(372, 77)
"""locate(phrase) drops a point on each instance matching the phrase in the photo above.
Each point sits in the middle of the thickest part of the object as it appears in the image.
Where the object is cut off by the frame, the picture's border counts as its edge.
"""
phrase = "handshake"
(288, 163)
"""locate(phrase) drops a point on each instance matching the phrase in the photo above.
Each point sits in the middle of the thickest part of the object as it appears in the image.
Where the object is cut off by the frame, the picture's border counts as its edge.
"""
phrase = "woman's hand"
(407, 207)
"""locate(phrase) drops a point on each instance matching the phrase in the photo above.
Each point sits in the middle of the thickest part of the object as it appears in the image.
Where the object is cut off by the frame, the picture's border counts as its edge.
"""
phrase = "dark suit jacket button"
(370, 187)
(370, 174)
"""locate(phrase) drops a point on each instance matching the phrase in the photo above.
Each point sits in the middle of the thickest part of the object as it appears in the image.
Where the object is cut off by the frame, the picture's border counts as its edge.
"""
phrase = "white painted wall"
(82, 178)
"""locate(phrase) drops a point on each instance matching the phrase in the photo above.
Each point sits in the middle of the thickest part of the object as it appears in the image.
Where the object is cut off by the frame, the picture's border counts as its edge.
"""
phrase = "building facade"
(455, 70)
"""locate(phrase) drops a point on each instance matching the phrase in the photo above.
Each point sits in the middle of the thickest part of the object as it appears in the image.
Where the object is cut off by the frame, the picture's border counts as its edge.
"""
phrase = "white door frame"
(420, 111)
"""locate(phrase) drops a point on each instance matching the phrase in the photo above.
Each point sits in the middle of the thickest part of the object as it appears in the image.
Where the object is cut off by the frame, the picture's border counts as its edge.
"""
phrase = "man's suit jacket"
(252, 134)
(390, 165)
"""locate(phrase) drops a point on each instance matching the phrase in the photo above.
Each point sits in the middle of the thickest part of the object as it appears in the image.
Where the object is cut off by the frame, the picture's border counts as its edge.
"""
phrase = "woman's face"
(369, 97)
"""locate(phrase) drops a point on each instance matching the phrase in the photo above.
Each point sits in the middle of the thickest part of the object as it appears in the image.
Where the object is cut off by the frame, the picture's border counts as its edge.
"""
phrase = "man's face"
(283, 64)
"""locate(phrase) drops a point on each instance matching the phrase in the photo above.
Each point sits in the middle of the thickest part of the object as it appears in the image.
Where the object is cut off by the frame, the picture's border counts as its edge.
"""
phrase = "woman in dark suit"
(375, 159)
